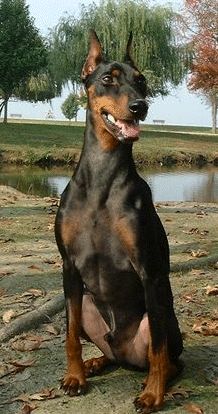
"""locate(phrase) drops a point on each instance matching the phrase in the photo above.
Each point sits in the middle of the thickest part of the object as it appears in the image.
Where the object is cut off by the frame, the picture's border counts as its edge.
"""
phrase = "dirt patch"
(30, 275)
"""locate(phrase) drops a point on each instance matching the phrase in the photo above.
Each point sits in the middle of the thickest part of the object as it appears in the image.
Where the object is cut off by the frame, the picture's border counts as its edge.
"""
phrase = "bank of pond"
(167, 183)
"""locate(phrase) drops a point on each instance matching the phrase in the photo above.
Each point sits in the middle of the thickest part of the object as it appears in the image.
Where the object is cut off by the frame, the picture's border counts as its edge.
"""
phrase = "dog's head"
(116, 93)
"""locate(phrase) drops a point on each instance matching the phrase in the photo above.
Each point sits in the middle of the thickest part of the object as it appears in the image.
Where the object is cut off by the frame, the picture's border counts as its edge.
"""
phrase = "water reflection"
(166, 184)
(197, 185)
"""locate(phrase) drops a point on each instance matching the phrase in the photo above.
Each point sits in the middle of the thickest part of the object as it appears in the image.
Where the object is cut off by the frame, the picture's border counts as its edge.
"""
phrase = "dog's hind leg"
(95, 329)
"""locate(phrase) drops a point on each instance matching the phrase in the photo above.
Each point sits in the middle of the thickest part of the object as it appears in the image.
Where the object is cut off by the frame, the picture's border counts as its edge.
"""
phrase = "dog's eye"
(107, 79)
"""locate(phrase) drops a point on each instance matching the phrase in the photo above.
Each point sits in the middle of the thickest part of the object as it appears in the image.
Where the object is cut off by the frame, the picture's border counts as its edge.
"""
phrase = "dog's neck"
(98, 167)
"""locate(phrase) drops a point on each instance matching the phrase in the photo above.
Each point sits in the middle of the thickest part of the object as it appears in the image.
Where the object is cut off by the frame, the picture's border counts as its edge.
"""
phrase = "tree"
(201, 17)
(155, 49)
(70, 106)
(38, 88)
(23, 52)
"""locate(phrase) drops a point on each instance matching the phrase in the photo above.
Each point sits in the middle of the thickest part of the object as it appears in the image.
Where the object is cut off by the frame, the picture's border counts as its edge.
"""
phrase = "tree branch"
(33, 319)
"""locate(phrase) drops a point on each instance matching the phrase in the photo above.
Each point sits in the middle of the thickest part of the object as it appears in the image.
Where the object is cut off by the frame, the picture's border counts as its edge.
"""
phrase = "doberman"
(114, 248)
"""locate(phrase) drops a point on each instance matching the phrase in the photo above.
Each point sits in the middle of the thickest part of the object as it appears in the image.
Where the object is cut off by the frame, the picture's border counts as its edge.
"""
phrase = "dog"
(114, 248)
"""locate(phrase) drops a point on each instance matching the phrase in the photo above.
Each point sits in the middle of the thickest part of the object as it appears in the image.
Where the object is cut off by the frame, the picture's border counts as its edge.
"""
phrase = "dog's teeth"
(111, 118)
(121, 137)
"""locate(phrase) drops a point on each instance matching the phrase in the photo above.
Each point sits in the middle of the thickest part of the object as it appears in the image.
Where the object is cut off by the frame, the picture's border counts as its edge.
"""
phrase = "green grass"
(178, 128)
(39, 135)
(61, 143)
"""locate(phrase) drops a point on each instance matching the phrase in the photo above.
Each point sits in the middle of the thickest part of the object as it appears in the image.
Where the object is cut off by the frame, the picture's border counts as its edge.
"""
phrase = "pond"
(167, 184)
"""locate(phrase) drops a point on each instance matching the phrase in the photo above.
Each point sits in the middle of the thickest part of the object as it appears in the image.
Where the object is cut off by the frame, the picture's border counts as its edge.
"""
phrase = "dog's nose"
(139, 108)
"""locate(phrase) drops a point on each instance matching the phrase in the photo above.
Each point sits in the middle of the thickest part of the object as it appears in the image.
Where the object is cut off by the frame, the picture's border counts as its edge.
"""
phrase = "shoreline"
(141, 160)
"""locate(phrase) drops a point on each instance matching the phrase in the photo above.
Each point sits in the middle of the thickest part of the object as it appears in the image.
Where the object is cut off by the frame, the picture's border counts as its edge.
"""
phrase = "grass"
(60, 143)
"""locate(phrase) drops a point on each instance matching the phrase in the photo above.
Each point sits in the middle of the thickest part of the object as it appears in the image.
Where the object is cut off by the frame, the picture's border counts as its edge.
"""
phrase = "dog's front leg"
(161, 368)
(74, 382)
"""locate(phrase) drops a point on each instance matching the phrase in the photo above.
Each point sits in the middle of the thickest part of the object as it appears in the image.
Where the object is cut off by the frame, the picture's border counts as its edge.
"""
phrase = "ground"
(30, 275)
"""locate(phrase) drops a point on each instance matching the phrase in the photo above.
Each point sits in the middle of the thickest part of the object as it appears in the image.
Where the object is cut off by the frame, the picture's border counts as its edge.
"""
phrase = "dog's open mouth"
(122, 129)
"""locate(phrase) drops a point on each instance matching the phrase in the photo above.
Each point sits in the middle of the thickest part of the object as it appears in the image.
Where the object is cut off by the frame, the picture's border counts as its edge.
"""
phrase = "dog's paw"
(73, 385)
(147, 403)
(95, 366)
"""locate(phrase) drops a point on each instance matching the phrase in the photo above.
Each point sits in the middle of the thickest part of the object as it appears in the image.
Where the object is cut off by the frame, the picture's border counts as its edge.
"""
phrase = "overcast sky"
(180, 107)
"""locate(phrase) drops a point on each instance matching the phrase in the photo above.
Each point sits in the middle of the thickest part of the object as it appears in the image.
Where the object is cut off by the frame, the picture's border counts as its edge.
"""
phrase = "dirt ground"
(32, 363)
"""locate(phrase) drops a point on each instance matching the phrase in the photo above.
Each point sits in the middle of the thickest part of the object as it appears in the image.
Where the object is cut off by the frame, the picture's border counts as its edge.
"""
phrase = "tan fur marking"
(118, 107)
(126, 235)
(75, 376)
(160, 371)
(115, 73)
(70, 229)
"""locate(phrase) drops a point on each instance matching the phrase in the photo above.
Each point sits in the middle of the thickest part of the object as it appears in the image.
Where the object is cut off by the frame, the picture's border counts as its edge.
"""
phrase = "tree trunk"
(214, 113)
(6, 111)
(2, 106)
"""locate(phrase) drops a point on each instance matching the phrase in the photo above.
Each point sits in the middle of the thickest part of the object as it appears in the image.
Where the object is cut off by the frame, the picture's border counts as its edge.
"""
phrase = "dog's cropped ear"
(95, 56)
(128, 59)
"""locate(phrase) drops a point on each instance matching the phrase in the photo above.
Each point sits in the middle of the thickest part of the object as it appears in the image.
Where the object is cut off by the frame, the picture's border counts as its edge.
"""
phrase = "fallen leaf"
(188, 298)
(177, 392)
(7, 273)
(8, 315)
(202, 213)
(192, 230)
(7, 240)
(34, 267)
(28, 408)
(21, 397)
(49, 261)
(23, 364)
(34, 293)
(27, 255)
(204, 232)
(199, 253)
(26, 344)
(33, 337)
(57, 264)
(211, 290)
(195, 230)
(2, 291)
(193, 408)
(45, 394)
(51, 329)
(36, 397)
(197, 272)
(206, 328)
(4, 370)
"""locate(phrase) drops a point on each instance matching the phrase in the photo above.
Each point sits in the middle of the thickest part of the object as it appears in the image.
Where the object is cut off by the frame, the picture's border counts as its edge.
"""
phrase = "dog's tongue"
(127, 129)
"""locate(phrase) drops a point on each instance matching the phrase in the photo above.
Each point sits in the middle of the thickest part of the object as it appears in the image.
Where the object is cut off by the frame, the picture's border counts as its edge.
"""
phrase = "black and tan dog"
(114, 248)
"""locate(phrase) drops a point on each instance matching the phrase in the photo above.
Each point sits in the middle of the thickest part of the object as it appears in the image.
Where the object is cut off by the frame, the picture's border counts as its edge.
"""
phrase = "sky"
(178, 108)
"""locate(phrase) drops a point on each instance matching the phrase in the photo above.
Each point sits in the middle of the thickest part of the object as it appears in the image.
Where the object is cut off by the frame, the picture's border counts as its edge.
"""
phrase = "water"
(173, 184)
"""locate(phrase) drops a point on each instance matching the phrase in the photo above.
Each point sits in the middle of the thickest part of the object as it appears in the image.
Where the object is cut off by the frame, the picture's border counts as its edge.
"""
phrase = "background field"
(60, 143)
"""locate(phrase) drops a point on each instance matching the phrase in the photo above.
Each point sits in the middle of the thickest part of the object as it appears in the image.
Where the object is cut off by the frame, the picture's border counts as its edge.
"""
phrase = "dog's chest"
(98, 250)
(97, 242)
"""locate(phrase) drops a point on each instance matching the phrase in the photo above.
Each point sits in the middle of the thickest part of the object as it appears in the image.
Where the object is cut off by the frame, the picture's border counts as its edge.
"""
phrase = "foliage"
(38, 88)
(70, 106)
(155, 50)
(23, 52)
(202, 19)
